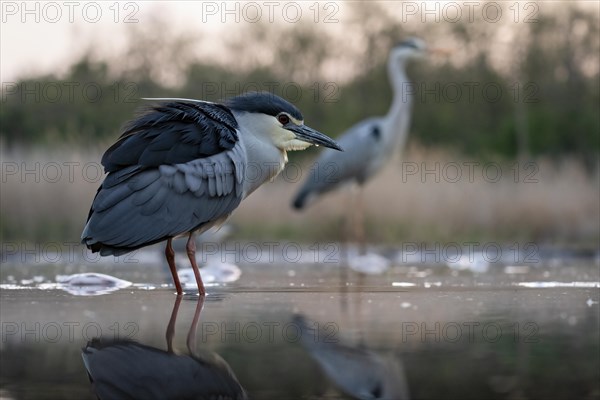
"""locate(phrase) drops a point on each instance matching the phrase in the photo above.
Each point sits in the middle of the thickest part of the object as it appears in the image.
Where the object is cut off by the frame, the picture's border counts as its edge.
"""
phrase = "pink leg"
(191, 338)
(191, 251)
(171, 327)
(170, 254)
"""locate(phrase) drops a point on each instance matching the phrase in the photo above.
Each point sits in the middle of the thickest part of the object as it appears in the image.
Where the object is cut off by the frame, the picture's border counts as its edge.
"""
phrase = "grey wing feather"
(358, 161)
(159, 203)
(176, 168)
(173, 133)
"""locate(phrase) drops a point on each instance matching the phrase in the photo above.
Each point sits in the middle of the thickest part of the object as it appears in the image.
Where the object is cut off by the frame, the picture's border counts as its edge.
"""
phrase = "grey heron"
(369, 144)
(355, 370)
(180, 168)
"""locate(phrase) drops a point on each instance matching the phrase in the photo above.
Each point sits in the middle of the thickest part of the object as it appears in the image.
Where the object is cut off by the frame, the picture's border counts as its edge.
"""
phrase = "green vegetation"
(506, 94)
(545, 102)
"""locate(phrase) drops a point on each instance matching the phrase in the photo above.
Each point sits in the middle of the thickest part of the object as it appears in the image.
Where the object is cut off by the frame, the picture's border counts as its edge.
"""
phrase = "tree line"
(545, 102)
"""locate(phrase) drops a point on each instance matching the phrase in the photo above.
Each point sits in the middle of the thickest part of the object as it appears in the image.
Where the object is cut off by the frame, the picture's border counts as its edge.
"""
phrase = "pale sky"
(47, 36)
(29, 46)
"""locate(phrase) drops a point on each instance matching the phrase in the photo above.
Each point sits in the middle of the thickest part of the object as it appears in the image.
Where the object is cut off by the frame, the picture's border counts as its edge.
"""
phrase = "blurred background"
(514, 105)
(503, 150)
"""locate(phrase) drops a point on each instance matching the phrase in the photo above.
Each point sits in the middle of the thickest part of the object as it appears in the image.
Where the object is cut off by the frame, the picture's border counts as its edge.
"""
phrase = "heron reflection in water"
(131, 370)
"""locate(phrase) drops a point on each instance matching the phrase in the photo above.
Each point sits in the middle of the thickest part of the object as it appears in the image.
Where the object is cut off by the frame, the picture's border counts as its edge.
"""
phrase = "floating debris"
(370, 263)
(414, 272)
(145, 286)
(559, 284)
(212, 273)
(590, 302)
(13, 286)
(90, 284)
(516, 269)
(473, 261)
(403, 284)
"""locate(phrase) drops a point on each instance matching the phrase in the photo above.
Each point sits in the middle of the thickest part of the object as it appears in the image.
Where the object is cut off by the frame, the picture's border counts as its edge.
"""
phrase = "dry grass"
(563, 206)
(560, 204)
(40, 204)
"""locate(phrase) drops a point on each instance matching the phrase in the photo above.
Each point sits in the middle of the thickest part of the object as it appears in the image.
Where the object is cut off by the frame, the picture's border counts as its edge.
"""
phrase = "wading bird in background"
(369, 144)
(179, 169)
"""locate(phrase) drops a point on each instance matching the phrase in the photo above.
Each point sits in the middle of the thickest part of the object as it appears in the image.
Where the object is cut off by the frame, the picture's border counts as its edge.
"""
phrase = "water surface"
(311, 330)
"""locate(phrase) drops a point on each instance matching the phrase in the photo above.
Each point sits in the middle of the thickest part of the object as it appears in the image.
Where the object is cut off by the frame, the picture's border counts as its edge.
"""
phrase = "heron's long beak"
(309, 135)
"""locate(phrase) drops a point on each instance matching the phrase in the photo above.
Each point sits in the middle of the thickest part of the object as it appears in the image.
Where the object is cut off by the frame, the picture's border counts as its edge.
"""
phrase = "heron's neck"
(264, 159)
(398, 116)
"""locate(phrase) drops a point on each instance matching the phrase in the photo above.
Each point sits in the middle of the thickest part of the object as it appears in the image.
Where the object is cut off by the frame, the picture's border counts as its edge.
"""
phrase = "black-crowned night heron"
(124, 369)
(181, 168)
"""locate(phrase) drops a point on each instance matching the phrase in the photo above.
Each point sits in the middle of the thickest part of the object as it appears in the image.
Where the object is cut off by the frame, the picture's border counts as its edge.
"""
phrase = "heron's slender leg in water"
(191, 252)
(170, 254)
(171, 327)
(191, 337)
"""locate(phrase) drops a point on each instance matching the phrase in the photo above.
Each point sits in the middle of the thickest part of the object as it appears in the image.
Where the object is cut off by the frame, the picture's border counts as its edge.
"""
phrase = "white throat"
(265, 158)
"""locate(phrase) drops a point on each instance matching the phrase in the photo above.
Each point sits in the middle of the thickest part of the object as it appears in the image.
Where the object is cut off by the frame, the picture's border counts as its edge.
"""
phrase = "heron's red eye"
(283, 119)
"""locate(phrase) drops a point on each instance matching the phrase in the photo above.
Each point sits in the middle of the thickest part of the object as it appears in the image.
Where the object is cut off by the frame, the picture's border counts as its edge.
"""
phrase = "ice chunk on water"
(369, 263)
(474, 261)
(403, 284)
(212, 273)
(516, 269)
(559, 284)
(90, 284)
